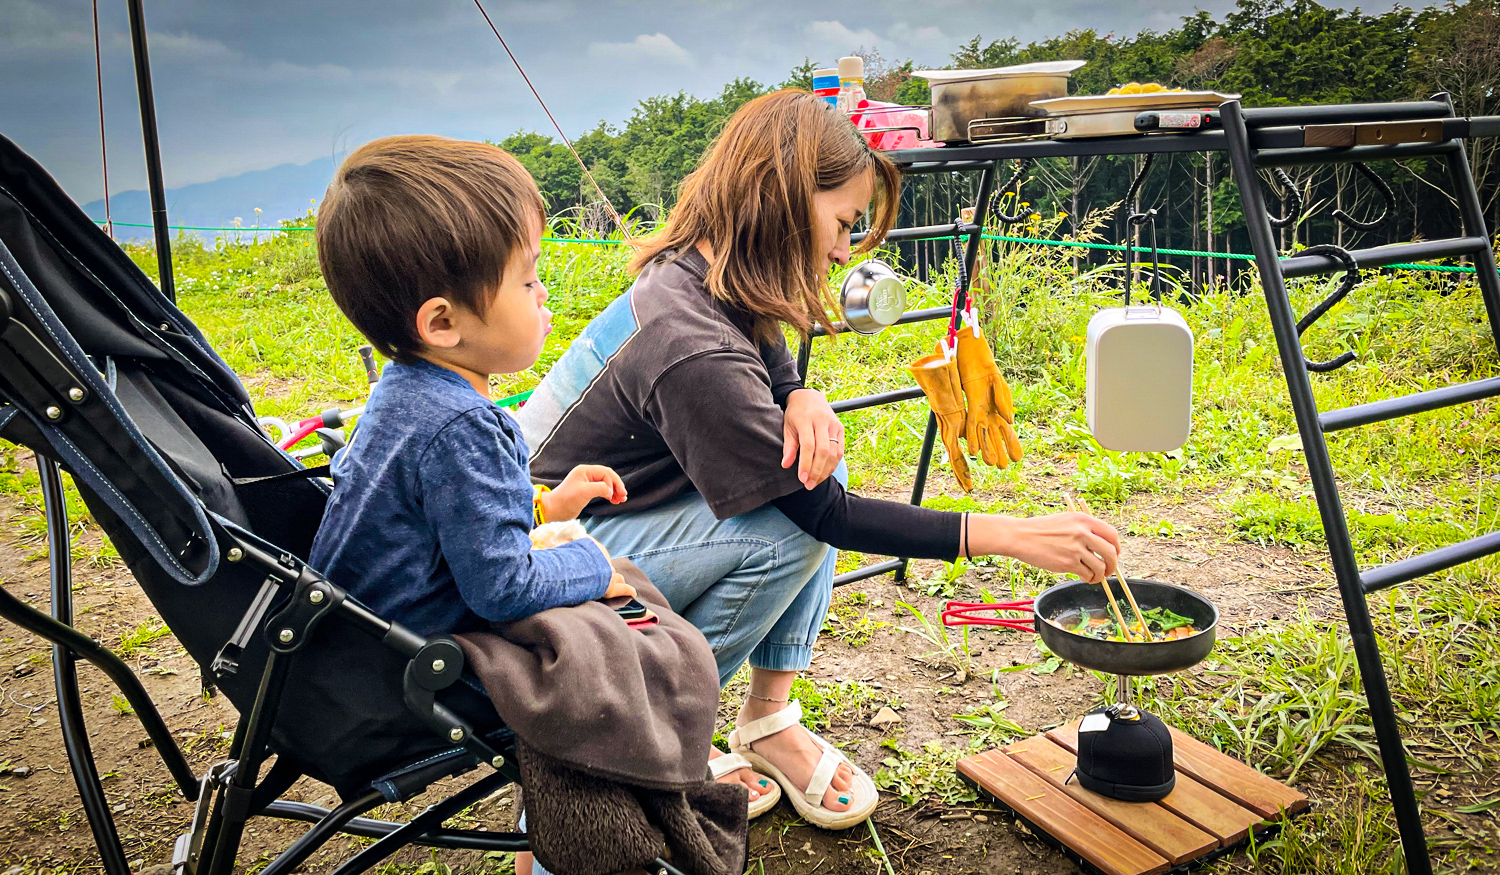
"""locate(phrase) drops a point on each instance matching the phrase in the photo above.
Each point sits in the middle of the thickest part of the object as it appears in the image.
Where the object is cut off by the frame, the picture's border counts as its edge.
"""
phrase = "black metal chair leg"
(321, 832)
(65, 677)
(428, 820)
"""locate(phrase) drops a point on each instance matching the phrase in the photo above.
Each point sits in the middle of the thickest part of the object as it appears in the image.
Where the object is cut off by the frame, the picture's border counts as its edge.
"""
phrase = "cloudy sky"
(248, 85)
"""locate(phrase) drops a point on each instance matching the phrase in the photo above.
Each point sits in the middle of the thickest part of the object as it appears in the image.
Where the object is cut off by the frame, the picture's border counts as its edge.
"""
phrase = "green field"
(1281, 695)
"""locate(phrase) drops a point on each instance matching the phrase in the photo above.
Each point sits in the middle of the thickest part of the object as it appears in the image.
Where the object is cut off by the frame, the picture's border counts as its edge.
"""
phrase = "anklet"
(764, 699)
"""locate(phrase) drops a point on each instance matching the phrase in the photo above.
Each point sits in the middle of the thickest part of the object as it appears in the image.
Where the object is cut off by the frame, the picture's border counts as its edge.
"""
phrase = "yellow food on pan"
(1143, 88)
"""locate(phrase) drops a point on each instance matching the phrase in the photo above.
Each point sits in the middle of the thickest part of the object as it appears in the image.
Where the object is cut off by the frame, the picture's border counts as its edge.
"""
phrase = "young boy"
(430, 246)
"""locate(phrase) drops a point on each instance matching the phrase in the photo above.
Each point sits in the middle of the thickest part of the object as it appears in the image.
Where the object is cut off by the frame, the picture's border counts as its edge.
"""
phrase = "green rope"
(515, 400)
(308, 228)
(1033, 241)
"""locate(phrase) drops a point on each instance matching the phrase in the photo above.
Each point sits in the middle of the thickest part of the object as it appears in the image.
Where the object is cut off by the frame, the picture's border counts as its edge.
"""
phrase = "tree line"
(1272, 52)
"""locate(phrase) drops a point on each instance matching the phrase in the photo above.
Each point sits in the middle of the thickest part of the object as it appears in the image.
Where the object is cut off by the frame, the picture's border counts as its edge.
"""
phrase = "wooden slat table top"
(1147, 822)
(1260, 793)
(1216, 814)
(1082, 831)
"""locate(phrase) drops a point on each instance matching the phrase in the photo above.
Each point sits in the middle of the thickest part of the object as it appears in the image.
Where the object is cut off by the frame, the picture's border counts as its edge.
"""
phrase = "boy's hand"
(582, 485)
(812, 437)
(618, 587)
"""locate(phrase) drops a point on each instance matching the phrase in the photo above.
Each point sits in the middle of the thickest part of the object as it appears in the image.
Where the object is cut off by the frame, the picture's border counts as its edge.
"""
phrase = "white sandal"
(808, 800)
(730, 762)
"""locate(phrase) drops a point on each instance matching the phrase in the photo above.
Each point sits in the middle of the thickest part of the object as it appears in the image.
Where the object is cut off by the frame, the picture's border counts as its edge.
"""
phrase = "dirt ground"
(42, 828)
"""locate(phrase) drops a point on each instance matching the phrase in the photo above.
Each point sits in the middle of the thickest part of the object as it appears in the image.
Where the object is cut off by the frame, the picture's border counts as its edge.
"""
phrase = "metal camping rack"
(1276, 137)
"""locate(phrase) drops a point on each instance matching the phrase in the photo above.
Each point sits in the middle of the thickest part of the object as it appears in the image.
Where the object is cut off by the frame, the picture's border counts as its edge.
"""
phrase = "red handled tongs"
(962, 614)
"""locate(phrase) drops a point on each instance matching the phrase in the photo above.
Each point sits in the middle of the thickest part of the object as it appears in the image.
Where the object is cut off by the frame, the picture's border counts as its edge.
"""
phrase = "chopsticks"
(1120, 575)
(1119, 615)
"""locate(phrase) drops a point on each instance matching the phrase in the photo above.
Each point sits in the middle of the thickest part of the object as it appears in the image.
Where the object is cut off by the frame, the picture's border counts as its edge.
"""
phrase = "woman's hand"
(582, 485)
(1067, 543)
(814, 437)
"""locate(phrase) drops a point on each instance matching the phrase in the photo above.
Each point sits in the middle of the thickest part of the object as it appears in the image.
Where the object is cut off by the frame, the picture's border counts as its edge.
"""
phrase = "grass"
(1284, 696)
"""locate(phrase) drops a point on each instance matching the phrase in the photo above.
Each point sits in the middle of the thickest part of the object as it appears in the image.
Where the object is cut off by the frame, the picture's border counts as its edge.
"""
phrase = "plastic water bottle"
(825, 84)
(851, 84)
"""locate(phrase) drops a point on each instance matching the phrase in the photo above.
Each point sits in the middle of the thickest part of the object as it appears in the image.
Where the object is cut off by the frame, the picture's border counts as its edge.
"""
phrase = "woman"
(685, 386)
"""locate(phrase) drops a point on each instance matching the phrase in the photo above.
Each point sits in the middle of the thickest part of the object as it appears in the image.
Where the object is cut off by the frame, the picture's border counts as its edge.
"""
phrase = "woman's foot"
(796, 753)
(757, 784)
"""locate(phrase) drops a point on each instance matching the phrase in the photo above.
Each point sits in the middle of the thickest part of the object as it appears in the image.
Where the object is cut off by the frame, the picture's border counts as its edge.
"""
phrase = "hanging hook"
(1346, 285)
(1137, 220)
(1386, 195)
(1293, 199)
(1020, 215)
(1131, 220)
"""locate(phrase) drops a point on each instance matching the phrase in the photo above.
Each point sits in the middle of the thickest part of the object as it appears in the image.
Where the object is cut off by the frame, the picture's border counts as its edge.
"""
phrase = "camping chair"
(103, 376)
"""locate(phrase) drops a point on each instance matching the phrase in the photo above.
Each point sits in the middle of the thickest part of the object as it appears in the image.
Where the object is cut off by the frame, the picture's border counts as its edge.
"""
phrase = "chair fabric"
(154, 451)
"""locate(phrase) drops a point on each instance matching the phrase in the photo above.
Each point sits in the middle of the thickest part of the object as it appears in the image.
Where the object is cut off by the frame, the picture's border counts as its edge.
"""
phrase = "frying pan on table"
(1122, 657)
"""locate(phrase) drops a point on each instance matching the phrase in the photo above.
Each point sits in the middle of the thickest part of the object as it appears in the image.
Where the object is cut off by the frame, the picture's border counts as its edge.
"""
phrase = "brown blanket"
(596, 703)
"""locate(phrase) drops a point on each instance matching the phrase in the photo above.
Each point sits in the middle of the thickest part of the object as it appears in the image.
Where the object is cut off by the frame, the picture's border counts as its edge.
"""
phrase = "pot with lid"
(963, 96)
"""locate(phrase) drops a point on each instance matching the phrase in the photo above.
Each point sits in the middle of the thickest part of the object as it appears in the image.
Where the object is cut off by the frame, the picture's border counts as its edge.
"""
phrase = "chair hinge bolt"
(438, 665)
(315, 596)
(286, 636)
(75, 393)
(235, 554)
(54, 412)
(498, 762)
(456, 734)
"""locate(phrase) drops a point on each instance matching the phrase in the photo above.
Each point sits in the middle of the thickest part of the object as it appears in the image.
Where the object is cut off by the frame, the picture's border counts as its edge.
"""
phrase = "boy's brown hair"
(411, 218)
(751, 198)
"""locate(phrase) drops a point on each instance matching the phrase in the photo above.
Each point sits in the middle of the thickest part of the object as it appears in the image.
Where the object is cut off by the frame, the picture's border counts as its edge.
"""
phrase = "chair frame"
(227, 795)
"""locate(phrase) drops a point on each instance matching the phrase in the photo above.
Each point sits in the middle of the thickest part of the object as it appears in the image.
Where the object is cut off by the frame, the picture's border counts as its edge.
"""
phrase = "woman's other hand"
(582, 485)
(814, 437)
(1066, 543)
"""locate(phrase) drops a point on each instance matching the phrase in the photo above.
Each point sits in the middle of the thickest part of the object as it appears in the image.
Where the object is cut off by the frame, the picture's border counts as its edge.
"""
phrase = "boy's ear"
(437, 323)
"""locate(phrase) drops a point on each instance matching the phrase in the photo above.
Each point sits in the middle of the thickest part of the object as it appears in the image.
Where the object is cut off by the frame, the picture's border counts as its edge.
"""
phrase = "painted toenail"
(843, 800)
(764, 782)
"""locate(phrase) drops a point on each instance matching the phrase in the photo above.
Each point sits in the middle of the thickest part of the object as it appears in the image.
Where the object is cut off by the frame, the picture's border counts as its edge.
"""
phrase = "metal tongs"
(962, 614)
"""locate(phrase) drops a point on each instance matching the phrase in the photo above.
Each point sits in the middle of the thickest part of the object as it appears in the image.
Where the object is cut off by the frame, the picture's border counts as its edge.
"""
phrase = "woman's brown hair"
(751, 199)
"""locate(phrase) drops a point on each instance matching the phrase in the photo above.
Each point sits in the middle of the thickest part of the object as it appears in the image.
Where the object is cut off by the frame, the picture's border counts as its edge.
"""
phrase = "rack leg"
(65, 677)
(1330, 507)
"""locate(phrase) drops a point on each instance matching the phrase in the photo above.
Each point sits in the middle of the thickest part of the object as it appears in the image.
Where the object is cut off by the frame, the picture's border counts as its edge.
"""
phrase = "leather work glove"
(990, 428)
(938, 377)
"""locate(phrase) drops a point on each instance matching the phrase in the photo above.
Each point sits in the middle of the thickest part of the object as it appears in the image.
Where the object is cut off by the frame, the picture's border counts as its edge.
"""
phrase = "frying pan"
(1121, 657)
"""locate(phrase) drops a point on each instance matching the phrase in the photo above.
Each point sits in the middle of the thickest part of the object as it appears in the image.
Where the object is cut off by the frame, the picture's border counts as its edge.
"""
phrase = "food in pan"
(1141, 88)
(1161, 624)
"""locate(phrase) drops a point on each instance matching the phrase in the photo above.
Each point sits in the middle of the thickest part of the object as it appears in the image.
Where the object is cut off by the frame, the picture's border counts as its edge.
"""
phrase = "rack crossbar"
(1342, 113)
(1311, 155)
(1380, 256)
(1406, 405)
(1385, 576)
(869, 571)
(926, 315)
(925, 232)
(847, 404)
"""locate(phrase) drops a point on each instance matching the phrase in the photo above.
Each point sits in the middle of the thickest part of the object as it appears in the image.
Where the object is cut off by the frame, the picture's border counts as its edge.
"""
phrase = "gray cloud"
(246, 86)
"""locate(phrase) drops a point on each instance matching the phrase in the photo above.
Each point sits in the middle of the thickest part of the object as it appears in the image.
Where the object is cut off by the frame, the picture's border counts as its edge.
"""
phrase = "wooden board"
(1148, 823)
(1214, 805)
(1218, 815)
(1082, 831)
(1258, 792)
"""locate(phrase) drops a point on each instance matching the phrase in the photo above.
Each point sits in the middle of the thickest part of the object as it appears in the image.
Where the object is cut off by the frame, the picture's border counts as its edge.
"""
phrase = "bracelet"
(968, 549)
(539, 515)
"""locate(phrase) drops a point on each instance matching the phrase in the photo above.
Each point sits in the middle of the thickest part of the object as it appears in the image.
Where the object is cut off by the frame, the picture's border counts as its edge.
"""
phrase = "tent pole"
(153, 148)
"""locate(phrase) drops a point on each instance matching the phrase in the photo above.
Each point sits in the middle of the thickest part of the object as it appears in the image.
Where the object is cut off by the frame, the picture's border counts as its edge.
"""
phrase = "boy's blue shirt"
(430, 518)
